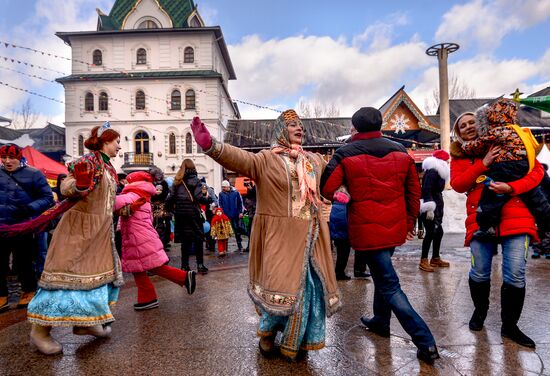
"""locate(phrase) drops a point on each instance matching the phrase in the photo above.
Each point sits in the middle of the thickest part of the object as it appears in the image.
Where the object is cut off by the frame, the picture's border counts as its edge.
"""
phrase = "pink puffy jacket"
(142, 248)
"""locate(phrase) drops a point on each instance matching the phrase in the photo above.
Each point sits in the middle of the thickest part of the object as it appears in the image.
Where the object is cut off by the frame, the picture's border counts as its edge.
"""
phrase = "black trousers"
(343, 248)
(432, 236)
(187, 246)
(24, 249)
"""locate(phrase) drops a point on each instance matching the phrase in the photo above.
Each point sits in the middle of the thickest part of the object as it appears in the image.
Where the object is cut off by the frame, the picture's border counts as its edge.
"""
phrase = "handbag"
(201, 213)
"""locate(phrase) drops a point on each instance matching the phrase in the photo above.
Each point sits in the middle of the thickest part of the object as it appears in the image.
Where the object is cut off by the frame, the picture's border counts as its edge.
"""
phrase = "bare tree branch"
(25, 117)
(457, 90)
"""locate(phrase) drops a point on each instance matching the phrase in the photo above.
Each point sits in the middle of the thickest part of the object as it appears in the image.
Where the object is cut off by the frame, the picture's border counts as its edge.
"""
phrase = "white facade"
(207, 76)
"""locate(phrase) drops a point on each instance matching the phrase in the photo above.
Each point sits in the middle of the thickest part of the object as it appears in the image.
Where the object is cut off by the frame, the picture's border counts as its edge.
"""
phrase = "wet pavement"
(213, 332)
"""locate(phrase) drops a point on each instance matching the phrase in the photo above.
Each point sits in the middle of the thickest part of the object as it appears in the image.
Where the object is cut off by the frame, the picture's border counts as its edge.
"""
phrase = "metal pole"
(442, 52)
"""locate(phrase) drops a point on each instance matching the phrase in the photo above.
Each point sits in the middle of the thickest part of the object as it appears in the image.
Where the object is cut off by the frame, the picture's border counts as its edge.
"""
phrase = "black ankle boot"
(202, 269)
(480, 296)
(512, 299)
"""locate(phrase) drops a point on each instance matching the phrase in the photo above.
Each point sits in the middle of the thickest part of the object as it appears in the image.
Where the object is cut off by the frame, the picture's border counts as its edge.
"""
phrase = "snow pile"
(455, 211)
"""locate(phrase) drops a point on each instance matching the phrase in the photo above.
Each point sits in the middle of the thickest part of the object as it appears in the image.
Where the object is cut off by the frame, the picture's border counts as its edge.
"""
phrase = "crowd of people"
(97, 224)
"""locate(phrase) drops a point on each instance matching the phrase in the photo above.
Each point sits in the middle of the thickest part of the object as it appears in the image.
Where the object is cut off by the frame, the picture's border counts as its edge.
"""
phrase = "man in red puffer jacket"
(385, 200)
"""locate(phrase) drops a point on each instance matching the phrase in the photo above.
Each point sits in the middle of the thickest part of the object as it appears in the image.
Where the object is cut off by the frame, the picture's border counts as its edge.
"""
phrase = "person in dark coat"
(383, 184)
(232, 204)
(161, 216)
(207, 206)
(184, 201)
(24, 193)
(436, 175)
(249, 203)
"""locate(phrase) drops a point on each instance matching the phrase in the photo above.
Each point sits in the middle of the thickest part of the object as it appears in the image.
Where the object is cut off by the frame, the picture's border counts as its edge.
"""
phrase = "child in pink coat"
(142, 249)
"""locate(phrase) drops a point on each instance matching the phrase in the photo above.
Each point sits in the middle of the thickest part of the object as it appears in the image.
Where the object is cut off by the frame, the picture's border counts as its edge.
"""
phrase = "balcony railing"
(135, 159)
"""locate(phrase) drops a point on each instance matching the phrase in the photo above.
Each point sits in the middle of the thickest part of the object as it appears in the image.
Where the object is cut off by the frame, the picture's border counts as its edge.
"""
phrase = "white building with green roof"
(148, 69)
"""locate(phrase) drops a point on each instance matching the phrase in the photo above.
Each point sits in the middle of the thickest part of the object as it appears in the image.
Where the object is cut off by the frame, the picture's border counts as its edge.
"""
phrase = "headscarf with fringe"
(304, 167)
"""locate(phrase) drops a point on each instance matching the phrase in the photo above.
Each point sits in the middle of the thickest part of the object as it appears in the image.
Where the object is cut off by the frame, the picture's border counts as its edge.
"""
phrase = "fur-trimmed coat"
(283, 240)
(436, 175)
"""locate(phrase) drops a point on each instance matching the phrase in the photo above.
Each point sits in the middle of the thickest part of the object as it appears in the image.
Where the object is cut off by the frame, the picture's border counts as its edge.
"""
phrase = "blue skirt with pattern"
(304, 329)
(73, 307)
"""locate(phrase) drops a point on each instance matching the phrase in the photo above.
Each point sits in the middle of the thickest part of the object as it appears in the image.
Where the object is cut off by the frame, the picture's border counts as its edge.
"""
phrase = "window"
(172, 143)
(189, 55)
(195, 22)
(141, 56)
(142, 143)
(97, 57)
(175, 100)
(81, 145)
(103, 102)
(53, 140)
(89, 102)
(190, 100)
(188, 143)
(148, 25)
(140, 100)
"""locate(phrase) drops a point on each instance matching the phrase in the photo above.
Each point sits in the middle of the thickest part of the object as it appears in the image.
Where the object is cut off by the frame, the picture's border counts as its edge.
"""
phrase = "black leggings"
(186, 247)
(434, 234)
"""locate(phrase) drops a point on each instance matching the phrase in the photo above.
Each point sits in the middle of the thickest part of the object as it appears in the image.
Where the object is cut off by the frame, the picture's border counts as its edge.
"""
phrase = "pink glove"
(201, 134)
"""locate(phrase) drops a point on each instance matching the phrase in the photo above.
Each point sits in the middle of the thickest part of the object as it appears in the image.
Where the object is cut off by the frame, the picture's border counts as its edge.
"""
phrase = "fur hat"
(225, 183)
(139, 176)
(11, 150)
(367, 119)
(441, 154)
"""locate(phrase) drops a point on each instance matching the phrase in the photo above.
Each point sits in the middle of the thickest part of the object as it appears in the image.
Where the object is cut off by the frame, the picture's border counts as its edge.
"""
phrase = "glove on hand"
(430, 215)
(201, 134)
(83, 174)
(137, 204)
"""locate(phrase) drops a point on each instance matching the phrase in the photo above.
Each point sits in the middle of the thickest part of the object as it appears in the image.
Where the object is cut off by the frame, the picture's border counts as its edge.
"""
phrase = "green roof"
(139, 75)
(178, 10)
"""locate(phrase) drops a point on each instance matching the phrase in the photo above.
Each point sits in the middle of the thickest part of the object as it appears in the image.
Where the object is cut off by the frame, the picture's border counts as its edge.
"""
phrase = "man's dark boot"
(512, 299)
(480, 296)
(428, 355)
(376, 327)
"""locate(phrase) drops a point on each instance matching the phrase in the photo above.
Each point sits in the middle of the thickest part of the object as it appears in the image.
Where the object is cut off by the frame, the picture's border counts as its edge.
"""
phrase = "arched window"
(97, 57)
(172, 143)
(89, 102)
(175, 100)
(141, 56)
(81, 145)
(188, 143)
(140, 100)
(148, 24)
(103, 101)
(142, 143)
(190, 99)
(189, 55)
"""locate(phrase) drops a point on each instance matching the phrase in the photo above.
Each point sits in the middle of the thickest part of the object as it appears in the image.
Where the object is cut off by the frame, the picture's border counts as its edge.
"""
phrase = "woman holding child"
(515, 229)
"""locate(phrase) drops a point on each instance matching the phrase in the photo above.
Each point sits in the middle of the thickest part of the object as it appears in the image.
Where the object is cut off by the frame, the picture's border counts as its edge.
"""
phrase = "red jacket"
(384, 187)
(515, 218)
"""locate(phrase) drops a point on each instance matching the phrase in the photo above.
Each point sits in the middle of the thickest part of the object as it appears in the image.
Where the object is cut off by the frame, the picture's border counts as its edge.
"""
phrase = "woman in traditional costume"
(82, 273)
(292, 280)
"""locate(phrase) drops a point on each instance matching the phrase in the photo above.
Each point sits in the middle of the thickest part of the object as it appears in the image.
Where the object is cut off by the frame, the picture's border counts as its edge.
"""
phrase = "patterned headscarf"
(304, 168)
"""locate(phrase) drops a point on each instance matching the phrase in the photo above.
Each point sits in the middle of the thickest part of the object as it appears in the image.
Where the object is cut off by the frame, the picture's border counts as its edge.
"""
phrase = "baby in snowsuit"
(497, 125)
(142, 249)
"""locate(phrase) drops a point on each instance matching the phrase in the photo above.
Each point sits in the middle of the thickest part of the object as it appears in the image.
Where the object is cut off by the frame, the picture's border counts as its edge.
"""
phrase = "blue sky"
(346, 54)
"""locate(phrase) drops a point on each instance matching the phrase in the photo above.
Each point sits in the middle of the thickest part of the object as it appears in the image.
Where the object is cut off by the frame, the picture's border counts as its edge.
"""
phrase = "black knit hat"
(367, 119)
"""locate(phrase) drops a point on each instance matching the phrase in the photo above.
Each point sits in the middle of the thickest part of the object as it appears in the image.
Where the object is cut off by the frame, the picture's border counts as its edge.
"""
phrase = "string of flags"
(136, 74)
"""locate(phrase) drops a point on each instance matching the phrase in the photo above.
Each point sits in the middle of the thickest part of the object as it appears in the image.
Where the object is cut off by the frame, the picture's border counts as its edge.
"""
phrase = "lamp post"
(442, 52)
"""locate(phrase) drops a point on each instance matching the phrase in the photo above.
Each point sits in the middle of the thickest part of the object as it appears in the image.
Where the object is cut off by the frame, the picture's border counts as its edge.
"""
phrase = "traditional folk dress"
(292, 280)
(221, 229)
(82, 273)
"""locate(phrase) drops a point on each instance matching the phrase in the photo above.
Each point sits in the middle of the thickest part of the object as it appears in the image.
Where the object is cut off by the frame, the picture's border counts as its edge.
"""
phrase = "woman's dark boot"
(480, 296)
(512, 299)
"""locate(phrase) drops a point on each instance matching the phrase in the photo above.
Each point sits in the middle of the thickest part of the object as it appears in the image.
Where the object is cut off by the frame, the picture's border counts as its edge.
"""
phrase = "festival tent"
(48, 166)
